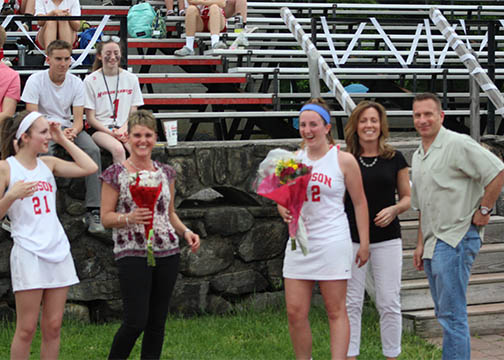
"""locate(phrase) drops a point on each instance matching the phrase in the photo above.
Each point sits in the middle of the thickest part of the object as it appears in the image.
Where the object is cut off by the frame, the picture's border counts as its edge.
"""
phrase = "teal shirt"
(448, 184)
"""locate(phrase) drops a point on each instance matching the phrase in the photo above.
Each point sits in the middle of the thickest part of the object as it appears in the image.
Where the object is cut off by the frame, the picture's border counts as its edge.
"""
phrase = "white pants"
(385, 259)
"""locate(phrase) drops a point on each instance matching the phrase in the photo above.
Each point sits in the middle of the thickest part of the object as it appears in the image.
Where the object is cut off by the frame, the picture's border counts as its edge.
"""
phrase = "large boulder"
(77, 312)
(189, 296)
(95, 289)
(5, 249)
(187, 183)
(228, 220)
(274, 270)
(5, 286)
(240, 165)
(214, 255)
(239, 283)
(6, 312)
(204, 159)
(264, 241)
(218, 305)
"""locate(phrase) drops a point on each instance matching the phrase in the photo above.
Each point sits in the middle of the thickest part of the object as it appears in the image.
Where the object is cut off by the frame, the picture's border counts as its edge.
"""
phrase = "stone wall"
(243, 238)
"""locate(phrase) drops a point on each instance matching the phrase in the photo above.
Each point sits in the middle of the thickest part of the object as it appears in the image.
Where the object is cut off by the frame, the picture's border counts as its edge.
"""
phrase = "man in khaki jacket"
(455, 185)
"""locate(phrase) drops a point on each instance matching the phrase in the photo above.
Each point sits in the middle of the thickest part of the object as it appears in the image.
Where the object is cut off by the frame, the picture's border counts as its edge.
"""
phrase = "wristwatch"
(485, 210)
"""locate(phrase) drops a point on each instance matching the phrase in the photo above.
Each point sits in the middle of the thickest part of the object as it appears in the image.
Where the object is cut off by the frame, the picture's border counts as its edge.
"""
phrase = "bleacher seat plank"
(483, 319)
(104, 10)
(392, 95)
(173, 60)
(189, 78)
(415, 293)
(489, 260)
(493, 231)
(199, 99)
(156, 43)
(357, 70)
(282, 114)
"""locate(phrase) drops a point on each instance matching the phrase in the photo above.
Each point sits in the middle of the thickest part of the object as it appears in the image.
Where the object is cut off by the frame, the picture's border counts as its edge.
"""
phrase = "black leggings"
(146, 293)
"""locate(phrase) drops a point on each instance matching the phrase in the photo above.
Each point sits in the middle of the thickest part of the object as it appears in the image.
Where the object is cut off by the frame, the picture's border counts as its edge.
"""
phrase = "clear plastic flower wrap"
(283, 178)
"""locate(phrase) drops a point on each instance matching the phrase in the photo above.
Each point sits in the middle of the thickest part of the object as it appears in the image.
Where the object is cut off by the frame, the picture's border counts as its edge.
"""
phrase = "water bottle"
(238, 24)
(21, 54)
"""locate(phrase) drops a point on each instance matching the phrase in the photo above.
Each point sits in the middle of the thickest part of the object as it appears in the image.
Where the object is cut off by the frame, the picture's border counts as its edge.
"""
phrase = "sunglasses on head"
(113, 38)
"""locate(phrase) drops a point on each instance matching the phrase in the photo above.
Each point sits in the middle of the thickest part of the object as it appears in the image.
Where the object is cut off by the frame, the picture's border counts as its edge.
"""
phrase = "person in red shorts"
(235, 7)
(57, 30)
(204, 15)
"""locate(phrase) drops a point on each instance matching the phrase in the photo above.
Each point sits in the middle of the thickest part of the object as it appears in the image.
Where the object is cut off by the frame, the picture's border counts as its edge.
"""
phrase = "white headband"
(26, 123)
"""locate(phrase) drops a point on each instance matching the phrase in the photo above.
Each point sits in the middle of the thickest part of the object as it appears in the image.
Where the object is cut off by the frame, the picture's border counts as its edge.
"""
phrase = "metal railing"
(22, 48)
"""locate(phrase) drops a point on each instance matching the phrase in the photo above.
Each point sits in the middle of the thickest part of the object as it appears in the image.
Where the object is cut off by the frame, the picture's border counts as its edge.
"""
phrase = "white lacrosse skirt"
(29, 271)
(329, 261)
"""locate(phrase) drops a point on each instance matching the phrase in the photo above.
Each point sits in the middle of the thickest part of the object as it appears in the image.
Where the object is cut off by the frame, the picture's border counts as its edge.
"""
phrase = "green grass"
(243, 335)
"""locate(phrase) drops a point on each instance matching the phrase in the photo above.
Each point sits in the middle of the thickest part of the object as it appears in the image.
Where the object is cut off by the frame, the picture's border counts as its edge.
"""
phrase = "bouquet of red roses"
(145, 188)
(284, 180)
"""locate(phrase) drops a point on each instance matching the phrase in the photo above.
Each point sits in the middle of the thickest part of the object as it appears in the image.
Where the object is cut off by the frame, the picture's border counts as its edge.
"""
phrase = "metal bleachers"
(270, 75)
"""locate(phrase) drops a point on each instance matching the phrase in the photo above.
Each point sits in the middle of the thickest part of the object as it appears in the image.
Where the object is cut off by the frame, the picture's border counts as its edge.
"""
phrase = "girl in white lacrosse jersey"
(329, 258)
(41, 265)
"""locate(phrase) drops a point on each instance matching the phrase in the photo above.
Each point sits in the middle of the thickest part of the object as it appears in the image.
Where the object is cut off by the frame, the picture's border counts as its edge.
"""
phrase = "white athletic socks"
(189, 42)
(214, 38)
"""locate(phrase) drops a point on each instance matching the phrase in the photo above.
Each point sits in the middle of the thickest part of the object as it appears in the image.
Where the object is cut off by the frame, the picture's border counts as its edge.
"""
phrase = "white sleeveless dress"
(40, 257)
(329, 241)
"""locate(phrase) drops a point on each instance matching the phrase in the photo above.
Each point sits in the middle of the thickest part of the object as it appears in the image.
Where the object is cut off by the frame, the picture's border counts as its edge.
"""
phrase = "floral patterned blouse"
(130, 240)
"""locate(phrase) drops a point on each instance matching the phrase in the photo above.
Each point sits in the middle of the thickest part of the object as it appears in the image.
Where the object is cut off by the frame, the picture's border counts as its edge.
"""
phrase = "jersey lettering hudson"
(44, 186)
(315, 189)
(321, 178)
(40, 204)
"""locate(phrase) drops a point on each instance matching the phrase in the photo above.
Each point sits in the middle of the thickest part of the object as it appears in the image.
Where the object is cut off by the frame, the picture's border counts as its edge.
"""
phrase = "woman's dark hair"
(352, 139)
(321, 102)
(8, 131)
(98, 64)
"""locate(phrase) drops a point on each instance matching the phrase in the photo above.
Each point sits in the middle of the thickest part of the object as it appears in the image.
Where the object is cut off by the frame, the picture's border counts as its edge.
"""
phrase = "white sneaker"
(219, 45)
(6, 224)
(92, 220)
(185, 51)
(6, 61)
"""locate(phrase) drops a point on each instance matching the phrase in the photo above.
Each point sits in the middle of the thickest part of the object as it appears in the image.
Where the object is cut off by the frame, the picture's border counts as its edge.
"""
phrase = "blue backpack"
(85, 38)
(140, 17)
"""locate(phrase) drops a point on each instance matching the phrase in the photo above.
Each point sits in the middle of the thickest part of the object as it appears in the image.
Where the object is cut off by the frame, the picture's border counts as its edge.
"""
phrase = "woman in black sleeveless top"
(384, 172)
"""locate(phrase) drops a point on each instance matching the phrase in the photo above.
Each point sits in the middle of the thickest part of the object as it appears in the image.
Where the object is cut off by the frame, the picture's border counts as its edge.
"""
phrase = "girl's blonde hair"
(352, 138)
(142, 118)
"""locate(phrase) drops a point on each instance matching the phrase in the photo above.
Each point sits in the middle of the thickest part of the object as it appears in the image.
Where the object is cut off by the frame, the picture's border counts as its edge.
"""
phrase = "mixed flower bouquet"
(289, 170)
(284, 179)
(145, 187)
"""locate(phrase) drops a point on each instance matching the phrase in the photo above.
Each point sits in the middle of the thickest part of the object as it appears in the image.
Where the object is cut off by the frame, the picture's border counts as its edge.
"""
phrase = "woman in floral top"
(146, 290)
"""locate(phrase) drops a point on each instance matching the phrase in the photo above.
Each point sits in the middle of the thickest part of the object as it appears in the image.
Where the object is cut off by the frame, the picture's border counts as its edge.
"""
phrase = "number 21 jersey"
(35, 224)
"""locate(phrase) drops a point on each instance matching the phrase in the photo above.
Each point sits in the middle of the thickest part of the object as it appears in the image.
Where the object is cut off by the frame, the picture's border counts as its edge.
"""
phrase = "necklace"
(114, 103)
(136, 167)
(361, 160)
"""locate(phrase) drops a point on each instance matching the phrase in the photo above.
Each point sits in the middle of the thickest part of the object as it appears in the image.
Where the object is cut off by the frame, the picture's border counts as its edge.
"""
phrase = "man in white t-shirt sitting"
(57, 94)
